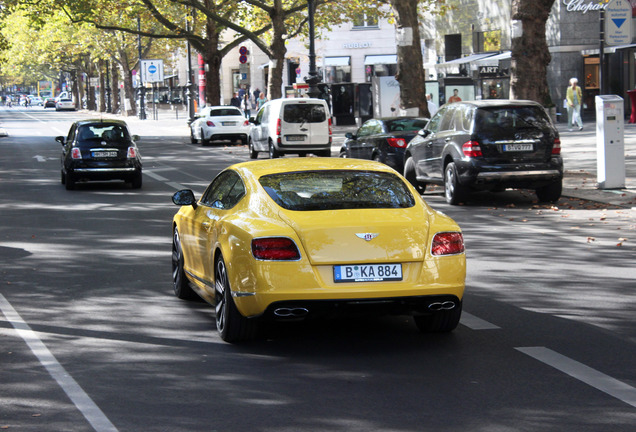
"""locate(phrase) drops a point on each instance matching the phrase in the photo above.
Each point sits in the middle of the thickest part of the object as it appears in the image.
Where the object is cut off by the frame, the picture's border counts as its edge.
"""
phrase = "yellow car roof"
(273, 166)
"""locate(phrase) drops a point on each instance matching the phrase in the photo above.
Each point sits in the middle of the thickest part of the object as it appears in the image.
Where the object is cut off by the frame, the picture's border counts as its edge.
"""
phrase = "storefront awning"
(607, 49)
(467, 59)
(337, 61)
(380, 59)
(493, 60)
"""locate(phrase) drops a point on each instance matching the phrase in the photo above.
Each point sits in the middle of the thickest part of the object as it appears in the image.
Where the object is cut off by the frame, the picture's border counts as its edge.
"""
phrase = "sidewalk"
(578, 149)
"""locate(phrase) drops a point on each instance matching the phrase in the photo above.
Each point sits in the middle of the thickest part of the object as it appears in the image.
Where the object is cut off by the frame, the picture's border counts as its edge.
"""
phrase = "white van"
(295, 125)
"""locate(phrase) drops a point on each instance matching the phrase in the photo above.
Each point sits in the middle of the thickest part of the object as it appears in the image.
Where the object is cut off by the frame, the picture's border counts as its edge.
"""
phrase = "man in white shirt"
(432, 108)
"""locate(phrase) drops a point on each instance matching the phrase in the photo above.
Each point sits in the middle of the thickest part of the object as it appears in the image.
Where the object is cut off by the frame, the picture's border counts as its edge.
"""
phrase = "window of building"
(487, 41)
(363, 21)
(336, 70)
(452, 47)
(380, 65)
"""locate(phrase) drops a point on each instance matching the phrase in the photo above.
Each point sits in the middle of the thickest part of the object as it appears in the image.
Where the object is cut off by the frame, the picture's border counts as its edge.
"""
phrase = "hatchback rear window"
(512, 117)
(304, 113)
(337, 190)
(224, 112)
(102, 132)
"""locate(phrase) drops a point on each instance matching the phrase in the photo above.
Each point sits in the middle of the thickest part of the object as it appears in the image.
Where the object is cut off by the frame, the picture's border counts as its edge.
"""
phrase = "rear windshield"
(102, 132)
(406, 124)
(222, 112)
(512, 117)
(337, 189)
(304, 113)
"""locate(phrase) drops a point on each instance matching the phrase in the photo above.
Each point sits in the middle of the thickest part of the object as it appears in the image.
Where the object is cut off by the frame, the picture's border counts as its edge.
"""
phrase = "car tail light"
(472, 149)
(397, 142)
(448, 243)
(275, 249)
(132, 153)
(246, 123)
(210, 123)
(76, 153)
(556, 148)
(330, 127)
(278, 126)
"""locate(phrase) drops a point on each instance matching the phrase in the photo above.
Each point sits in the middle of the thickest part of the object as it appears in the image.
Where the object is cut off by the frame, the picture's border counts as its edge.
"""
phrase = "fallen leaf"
(590, 239)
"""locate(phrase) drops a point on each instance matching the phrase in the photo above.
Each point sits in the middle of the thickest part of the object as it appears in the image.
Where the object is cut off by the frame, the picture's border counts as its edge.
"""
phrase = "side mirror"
(184, 197)
(349, 135)
(423, 133)
(135, 137)
(60, 139)
(252, 120)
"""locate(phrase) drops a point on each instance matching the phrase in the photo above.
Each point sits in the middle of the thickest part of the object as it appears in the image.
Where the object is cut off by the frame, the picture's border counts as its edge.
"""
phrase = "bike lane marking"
(583, 373)
(78, 396)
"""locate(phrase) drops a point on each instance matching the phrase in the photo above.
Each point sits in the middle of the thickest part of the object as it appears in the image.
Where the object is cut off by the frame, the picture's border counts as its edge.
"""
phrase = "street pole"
(601, 53)
(142, 89)
(189, 92)
(313, 79)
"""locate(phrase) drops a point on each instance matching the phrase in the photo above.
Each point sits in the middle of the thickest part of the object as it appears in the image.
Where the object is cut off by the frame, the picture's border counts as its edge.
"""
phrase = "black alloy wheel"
(253, 153)
(453, 191)
(410, 175)
(273, 153)
(180, 283)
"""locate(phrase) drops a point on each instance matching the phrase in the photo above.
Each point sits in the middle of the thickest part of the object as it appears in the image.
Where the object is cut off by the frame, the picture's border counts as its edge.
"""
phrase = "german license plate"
(105, 154)
(228, 123)
(367, 273)
(517, 147)
(295, 137)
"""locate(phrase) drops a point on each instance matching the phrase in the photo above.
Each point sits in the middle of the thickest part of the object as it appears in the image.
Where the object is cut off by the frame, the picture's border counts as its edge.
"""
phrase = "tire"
(410, 175)
(439, 322)
(204, 141)
(70, 181)
(193, 140)
(62, 177)
(550, 193)
(253, 153)
(180, 283)
(324, 153)
(343, 154)
(232, 326)
(454, 192)
(273, 153)
(137, 181)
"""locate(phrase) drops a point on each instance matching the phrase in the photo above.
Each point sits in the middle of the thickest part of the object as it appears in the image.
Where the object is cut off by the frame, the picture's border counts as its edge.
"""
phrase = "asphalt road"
(92, 338)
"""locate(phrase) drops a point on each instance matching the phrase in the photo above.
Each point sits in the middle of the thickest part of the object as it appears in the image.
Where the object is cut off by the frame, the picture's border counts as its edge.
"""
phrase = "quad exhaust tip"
(437, 306)
(291, 312)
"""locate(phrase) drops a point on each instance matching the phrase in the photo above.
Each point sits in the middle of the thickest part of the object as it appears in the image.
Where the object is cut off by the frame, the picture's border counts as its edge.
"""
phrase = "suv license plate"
(367, 273)
(295, 137)
(517, 147)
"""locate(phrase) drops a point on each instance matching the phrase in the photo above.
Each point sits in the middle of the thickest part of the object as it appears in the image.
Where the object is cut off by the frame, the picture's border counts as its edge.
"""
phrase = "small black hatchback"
(100, 150)
(487, 145)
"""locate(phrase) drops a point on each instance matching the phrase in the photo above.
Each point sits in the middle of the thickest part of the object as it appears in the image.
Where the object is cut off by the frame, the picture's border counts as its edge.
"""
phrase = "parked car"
(35, 100)
(100, 150)
(294, 238)
(487, 145)
(219, 123)
(295, 125)
(49, 102)
(65, 104)
(383, 140)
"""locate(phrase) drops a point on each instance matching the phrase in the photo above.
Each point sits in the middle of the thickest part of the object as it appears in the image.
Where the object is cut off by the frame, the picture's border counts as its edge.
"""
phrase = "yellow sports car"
(294, 238)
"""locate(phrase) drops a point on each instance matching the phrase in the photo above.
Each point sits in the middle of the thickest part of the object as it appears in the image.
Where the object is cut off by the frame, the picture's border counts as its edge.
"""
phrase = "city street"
(92, 337)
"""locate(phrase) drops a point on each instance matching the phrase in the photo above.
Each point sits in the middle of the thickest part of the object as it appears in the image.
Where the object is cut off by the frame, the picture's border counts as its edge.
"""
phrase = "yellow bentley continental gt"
(296, 238)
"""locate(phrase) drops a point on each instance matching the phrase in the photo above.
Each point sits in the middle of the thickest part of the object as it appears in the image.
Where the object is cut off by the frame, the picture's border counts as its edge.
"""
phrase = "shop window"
(487, 41)
(378, 70)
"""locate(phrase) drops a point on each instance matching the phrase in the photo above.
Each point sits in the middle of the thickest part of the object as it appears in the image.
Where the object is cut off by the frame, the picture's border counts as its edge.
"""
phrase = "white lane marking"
(82, 401)
(475, 323)
(164, 180)
(581, 372)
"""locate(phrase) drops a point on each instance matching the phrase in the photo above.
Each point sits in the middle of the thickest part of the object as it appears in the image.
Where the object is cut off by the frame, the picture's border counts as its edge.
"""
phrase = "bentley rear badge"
(367, 236)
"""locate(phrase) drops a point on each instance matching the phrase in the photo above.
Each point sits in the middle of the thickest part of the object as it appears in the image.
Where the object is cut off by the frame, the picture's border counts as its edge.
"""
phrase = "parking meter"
(610, 142)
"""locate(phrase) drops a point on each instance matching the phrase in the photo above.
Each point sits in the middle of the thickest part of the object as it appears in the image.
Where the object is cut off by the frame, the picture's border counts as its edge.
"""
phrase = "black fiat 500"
(487, 145)
(100, 150)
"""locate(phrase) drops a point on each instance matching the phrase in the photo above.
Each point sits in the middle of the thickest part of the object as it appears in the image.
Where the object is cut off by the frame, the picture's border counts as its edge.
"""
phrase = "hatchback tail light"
(132, 153)
(275, 249)
(396, 142)
(448, 243)
(556, 147)
(246, 123)
(76, 153)
(472, 149)
(210, 123)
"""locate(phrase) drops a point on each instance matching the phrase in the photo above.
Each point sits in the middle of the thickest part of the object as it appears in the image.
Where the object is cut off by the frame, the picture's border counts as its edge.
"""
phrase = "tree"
(530, 54)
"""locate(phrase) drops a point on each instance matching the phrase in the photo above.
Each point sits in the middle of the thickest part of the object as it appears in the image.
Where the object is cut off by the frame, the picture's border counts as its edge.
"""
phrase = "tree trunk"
(410, 71)
(278, 51)
(530, 54)
(114, 85)
(212, 57)
(102, 87)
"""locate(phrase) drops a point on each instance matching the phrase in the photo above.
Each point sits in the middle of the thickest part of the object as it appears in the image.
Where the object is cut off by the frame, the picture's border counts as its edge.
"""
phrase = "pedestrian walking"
(261, 100)
(235, 101)
(574, 96)
(246, 105)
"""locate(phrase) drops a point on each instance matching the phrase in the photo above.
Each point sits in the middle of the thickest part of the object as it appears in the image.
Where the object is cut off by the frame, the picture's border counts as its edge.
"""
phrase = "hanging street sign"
(618, 22)
(152, 71)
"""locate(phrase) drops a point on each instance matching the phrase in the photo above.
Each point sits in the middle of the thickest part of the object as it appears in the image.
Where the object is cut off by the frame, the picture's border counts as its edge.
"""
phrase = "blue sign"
(152, 69)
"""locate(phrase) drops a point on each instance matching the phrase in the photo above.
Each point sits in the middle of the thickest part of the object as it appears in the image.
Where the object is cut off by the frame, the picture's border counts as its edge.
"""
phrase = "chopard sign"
(583, 6)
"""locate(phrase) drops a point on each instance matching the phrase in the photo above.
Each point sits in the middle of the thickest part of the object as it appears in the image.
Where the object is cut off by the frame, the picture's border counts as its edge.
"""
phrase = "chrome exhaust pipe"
(437, 306)
(298, 312)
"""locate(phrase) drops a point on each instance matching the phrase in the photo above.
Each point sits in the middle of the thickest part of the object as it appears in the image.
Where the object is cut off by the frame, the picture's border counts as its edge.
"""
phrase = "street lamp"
(189, 92)
(142, 89)
(313, 79)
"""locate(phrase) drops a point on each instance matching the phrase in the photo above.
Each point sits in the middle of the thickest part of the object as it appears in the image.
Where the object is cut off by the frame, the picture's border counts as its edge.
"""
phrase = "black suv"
(100, 150)
(487, 145)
